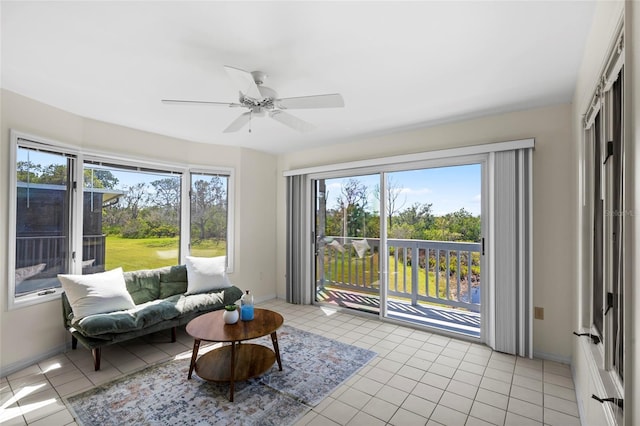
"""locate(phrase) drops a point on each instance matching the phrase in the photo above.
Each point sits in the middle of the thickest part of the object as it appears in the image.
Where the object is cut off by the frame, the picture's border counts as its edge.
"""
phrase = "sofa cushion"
(205, 302)
(206, 274)
(96, 293)
(173, 280)
(141, 316)
(143, 285)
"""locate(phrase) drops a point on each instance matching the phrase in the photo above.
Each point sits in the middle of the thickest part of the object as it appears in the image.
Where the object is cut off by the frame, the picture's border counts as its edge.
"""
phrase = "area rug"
(313, 367)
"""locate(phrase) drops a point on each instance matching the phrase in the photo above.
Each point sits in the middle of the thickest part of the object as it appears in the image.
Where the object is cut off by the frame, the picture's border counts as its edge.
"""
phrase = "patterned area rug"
(313, 367)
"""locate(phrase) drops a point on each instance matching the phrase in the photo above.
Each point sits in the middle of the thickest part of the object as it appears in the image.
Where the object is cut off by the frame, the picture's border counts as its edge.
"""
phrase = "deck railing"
(53, 250)
(440, 272)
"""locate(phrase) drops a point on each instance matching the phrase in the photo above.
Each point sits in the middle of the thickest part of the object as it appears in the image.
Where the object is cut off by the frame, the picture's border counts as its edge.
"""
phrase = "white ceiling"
(397, 65)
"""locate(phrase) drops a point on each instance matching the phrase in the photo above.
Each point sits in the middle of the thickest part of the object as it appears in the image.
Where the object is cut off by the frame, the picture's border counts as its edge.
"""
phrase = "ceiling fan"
(261, 100)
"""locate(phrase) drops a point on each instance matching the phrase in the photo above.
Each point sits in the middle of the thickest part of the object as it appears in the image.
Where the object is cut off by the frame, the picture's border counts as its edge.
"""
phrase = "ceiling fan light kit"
(262, 101)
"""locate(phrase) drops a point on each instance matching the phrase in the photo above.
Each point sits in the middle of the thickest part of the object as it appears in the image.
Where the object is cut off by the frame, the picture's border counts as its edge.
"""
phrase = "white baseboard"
(552, 357)
(261, 299)
(27, 362)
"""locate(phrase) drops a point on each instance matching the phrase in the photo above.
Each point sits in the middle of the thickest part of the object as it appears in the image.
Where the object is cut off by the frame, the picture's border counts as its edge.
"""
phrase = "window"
(209, 214)
(131, 217)
(132, 214)
(43, 219)
(604, 123)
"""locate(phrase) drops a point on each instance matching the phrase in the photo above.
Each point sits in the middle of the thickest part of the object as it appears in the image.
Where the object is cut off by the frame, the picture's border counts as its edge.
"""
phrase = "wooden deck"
(443, 318)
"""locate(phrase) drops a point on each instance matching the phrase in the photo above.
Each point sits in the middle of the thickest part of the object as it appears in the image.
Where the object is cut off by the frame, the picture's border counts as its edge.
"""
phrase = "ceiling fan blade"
(178, 101)
(318, 101)
(238, 123)
(244, 81)
(291, 121)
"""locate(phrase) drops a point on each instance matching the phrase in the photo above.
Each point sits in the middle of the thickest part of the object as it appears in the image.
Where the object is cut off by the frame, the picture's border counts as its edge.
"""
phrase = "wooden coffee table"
(234, 362)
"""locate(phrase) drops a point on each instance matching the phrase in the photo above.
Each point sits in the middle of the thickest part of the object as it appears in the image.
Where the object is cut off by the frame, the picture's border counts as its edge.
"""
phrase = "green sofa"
(161, 303)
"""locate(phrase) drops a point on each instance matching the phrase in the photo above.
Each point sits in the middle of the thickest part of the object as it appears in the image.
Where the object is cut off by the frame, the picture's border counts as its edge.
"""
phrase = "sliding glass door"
(403, 244)
(434, 246)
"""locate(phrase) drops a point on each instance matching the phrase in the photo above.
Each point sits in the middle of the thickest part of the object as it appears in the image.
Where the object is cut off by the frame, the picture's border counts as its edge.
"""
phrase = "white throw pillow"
(206, 274)
(96, 293)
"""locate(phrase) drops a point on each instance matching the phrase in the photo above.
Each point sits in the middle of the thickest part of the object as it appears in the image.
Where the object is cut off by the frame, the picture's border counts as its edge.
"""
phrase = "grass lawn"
(150, 253)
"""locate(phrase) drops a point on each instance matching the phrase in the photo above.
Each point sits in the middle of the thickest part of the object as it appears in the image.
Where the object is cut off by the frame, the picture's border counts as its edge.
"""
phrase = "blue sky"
(448, 188)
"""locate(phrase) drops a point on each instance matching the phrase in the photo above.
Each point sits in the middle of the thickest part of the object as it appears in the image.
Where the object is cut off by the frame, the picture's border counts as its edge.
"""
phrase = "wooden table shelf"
(251, 361)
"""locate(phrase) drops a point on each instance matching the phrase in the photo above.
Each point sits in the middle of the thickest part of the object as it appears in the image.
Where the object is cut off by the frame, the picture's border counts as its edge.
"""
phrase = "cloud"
(416, 191)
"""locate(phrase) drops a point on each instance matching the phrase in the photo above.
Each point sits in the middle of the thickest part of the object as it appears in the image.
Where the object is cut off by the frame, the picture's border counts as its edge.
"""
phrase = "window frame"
(604, 352)
(18, 138)
(186, 204)
(602, 105)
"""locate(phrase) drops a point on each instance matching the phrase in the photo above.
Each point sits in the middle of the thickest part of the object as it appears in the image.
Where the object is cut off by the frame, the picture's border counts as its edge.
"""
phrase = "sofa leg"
(174, 334)
(74, 342)
(96, 358)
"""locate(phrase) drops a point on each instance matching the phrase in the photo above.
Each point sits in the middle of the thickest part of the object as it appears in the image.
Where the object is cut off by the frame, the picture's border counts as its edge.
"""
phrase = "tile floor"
(418, 378)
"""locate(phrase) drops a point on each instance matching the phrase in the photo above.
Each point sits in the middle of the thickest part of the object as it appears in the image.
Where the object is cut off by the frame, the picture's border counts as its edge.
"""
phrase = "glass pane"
(347, 222)
(42, 220)
(209, 215)
(598, 233)
(434, 242)
(131, 218)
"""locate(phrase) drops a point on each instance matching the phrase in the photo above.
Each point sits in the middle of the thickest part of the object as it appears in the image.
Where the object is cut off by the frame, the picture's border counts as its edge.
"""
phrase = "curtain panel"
(513, 252)
(298, 290)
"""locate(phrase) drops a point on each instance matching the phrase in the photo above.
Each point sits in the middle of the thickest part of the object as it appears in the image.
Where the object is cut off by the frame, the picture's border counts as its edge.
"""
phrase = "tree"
(465, 225)
(393, 191)
(54, 174)
(167, 192)
(97, 178)
(352, 202)
(135, 199)
(457, 226)
(209, 208)
(418, 217)
(28, 171)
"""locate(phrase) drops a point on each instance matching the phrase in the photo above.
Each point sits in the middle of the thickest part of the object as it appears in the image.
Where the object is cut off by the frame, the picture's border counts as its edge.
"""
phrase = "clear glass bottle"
(246, 306)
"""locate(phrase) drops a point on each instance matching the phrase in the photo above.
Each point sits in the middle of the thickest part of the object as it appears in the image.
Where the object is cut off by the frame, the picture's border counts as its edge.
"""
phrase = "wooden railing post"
(415, 271)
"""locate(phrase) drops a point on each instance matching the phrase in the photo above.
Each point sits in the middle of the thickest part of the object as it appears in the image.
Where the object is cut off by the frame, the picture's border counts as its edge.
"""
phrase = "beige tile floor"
(418, 378)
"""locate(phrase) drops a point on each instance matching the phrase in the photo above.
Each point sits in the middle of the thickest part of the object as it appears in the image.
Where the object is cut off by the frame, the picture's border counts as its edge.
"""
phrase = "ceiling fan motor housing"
(268, 96)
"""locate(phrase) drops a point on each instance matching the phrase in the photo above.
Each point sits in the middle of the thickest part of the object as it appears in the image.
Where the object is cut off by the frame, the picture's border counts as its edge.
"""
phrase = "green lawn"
(149, 253)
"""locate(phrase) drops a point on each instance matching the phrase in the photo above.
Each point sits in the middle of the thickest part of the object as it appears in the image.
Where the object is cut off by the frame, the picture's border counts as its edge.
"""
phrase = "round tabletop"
(212, 328)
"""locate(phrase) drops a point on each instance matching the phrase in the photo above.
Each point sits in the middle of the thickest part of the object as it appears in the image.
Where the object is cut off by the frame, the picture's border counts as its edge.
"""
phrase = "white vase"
(231, 317)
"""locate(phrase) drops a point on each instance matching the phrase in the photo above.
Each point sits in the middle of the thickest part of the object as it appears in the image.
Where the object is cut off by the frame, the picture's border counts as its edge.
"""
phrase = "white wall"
(553, 185)
(31, 333)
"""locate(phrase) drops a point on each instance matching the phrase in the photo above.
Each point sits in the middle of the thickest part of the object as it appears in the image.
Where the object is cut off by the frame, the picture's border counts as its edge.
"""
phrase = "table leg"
(276, 348)
(194, 355)
(233, 370)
